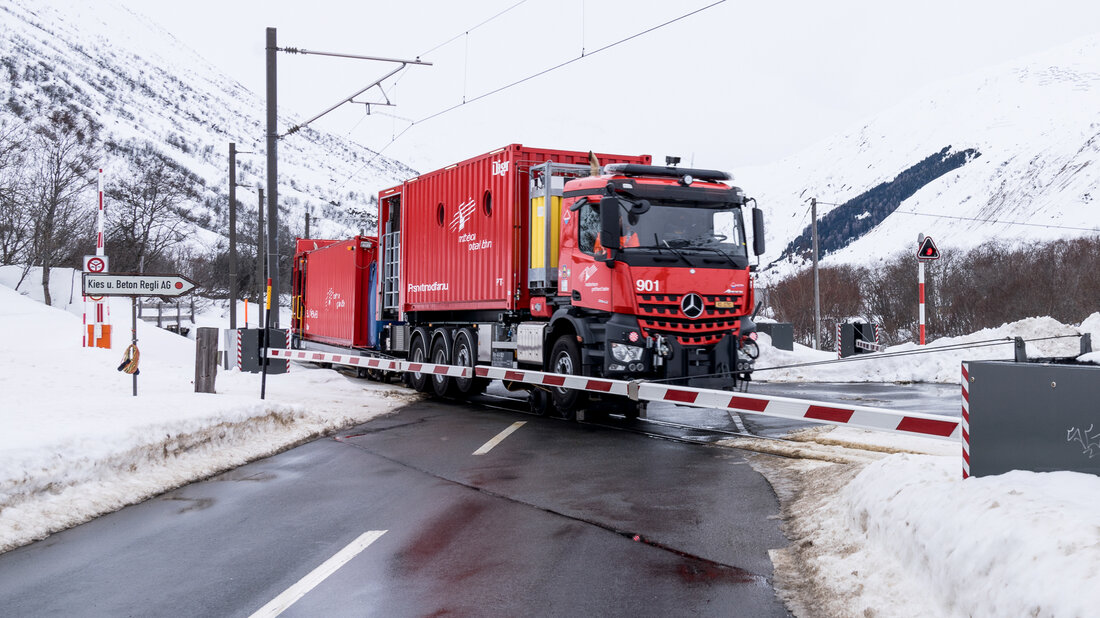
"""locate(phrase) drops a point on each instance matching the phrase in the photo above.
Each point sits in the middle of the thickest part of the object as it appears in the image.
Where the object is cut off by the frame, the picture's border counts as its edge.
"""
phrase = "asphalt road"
(557, 519)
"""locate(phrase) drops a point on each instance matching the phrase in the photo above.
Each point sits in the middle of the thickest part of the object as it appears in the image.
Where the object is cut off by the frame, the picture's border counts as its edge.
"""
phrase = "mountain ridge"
(143, 85)
(1036, 122)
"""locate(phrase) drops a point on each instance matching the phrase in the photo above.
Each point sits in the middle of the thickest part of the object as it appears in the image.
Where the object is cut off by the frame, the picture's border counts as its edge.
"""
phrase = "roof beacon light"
(672, 161)
(687, 180)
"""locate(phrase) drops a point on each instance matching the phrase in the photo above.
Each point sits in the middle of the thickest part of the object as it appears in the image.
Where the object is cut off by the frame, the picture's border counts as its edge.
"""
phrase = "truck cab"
(654, 277)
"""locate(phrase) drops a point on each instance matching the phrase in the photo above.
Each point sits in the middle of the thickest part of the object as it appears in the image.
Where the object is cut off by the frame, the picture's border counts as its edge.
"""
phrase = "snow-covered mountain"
(1011, 153)
(145, 87)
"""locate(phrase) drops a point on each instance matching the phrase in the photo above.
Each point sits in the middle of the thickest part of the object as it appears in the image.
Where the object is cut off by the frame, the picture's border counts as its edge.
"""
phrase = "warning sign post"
(926, 252)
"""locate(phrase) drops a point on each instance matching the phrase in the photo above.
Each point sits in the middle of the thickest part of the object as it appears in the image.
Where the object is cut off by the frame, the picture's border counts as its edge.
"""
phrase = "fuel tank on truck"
(334, 286)
(465, 229)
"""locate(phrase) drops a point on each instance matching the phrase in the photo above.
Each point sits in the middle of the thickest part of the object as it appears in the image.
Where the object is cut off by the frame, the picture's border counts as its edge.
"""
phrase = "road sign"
(131, 284)
(928, 250)
(95, 263)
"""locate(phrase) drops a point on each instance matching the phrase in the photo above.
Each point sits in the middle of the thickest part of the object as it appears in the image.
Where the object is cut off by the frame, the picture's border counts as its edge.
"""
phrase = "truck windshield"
(686, 228)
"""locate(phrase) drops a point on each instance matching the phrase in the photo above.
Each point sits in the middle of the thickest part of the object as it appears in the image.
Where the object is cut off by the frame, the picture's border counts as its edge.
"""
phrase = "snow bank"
(939, 361)
(77, 444)
(876, 530)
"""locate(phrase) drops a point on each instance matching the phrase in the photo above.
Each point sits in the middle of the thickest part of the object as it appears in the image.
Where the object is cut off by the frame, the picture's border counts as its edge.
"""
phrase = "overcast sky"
(735, 84)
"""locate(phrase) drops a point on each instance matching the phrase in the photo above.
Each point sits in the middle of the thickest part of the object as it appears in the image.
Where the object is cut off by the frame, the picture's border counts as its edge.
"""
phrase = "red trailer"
(332, 298)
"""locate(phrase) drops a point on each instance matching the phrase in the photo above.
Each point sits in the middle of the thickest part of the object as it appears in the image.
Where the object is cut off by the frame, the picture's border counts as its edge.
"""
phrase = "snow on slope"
(1036, 123)
(76, 443)
(141, 83)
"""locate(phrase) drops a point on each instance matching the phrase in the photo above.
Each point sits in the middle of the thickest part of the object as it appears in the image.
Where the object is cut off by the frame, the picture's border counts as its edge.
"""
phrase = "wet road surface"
(557, 519)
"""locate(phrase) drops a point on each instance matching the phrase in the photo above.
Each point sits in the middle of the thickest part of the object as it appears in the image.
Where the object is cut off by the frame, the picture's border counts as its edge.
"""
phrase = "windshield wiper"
(661, 249)
(677, 252)
(719, 252)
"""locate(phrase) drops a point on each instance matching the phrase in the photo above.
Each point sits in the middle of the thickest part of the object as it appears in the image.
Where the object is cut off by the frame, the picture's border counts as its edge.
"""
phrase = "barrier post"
(206, 359)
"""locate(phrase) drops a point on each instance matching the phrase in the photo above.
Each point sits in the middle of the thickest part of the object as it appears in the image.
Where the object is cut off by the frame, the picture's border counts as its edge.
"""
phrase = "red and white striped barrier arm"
(966, 419)
(864, 417)
(368, 362)
(582, 383)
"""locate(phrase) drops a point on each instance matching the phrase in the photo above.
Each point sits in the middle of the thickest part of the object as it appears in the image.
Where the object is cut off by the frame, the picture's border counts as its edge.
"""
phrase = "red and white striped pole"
(97, 333)
(966, 420)
(99, 220)
(920, 287)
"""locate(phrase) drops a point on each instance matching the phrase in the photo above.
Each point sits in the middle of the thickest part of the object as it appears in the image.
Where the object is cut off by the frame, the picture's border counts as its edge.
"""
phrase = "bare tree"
(144, 210)
(14, 215)
(63, 160)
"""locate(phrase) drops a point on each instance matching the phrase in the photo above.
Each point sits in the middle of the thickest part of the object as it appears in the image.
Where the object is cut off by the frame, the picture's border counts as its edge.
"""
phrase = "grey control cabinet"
(1042, 417)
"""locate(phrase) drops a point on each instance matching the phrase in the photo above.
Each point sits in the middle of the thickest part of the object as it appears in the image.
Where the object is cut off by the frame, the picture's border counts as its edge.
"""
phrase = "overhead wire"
(1049, 226)
(521, 80)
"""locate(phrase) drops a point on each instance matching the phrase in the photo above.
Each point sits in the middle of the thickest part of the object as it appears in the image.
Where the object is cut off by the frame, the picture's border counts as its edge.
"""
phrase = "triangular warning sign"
(928, 250)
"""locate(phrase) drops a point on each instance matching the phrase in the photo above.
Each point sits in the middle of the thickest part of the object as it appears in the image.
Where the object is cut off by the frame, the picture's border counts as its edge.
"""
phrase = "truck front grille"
(660, 314)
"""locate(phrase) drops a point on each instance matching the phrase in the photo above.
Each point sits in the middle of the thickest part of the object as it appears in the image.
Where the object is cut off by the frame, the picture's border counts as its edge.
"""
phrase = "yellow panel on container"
(538, 231)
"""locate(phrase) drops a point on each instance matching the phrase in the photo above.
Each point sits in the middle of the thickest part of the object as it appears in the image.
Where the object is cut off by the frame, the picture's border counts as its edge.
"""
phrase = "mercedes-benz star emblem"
(692, 305)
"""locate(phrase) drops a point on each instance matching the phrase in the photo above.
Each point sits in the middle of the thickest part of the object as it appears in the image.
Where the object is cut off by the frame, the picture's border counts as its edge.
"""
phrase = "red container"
(333, 284)
(302, 245)
(464, 233)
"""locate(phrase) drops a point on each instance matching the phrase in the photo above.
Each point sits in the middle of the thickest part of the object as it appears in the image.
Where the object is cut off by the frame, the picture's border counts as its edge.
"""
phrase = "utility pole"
(273, 139)
(307, 224)
(260, 257)
(272, 177)
(232, 235)
(817, 286)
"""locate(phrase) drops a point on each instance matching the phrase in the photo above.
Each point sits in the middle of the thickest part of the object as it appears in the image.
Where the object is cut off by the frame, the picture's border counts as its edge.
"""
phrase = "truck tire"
(465, 355)
(418, 353)
(565, 358)
(441, 385)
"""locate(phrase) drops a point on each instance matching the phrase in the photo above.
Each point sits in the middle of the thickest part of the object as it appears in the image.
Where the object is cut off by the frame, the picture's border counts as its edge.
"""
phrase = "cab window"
(588, 228)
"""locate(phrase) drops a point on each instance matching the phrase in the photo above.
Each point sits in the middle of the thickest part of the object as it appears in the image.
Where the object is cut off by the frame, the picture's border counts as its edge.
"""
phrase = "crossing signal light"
(928, 250)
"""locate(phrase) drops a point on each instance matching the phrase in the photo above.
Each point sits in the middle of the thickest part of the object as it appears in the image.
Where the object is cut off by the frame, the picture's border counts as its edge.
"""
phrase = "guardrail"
(864, 417)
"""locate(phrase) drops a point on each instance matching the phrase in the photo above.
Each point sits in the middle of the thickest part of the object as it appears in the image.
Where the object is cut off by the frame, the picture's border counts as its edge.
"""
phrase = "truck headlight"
(626, 353)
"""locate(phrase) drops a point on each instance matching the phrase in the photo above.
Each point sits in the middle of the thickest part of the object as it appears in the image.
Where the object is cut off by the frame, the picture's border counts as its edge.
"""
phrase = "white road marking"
(488, 446)
(736, 417)
(280, 603)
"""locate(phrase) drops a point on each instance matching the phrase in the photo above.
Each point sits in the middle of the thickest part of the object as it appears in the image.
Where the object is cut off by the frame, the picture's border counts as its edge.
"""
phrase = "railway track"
(652, 428)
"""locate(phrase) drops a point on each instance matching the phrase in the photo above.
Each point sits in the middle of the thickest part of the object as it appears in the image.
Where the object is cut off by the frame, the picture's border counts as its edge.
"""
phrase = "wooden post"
(206, 359)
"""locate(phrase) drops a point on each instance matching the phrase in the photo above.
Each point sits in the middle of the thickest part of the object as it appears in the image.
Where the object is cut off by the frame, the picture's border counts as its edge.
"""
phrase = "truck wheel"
(565, 358)
(441, 355)
(418, 353)
(465, 355)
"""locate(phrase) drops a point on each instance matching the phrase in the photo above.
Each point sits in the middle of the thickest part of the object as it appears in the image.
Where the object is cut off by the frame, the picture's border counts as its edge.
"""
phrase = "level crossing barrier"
(863, 417)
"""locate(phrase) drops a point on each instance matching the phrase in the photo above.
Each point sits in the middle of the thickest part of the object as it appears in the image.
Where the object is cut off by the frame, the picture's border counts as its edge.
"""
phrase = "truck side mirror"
(610, 234)
(757, 231)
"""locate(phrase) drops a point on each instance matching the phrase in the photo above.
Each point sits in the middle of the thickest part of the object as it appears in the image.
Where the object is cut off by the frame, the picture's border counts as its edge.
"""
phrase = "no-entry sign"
(128, 284)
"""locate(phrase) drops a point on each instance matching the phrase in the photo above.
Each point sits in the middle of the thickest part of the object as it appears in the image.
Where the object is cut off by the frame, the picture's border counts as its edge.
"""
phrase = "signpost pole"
(133, 331)
(920, 291)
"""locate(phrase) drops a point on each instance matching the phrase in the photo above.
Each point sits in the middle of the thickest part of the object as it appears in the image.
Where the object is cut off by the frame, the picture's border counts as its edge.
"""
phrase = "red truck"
(536, 258)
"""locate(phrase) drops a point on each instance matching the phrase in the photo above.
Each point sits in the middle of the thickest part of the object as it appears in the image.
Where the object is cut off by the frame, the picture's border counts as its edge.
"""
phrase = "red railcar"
(464, 229)
(332, 297)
